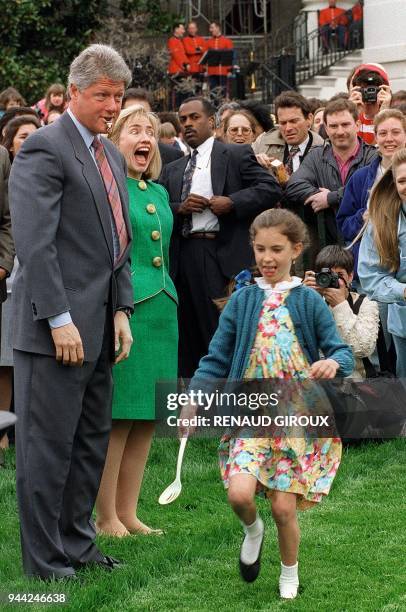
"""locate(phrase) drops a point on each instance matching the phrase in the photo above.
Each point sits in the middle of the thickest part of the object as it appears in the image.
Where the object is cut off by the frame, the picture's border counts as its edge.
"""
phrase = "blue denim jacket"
(381, 285)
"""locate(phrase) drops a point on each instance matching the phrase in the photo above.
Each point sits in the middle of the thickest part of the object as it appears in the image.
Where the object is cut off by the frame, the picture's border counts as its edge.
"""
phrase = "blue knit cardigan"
(230, 348)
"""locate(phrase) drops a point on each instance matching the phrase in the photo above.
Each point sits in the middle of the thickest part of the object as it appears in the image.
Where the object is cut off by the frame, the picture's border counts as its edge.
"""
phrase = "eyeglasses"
(236, 130)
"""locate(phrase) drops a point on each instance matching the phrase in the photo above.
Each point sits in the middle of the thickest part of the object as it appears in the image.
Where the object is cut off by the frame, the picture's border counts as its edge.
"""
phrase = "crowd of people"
(131, 225)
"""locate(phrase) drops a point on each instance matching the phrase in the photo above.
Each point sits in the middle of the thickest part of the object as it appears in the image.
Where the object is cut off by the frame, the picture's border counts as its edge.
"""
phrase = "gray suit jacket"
(6, 241)
(63, 236)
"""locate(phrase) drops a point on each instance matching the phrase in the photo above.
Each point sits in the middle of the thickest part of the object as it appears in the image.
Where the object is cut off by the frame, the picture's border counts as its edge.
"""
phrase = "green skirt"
(153, 357)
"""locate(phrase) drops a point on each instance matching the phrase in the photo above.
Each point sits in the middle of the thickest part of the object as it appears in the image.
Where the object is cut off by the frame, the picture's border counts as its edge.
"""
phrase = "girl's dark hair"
(289, 224)
(333, 256)
(13, 127)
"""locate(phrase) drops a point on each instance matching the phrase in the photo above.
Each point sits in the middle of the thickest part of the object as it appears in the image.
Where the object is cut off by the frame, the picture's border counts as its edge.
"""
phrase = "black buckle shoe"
(249, 573)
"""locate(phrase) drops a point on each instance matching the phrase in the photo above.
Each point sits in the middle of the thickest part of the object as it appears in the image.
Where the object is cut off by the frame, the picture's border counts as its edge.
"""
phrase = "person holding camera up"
(356, 317)
(371, 93)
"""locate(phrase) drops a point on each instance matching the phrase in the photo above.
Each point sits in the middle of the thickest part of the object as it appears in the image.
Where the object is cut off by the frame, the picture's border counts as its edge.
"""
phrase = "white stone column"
(385, 38)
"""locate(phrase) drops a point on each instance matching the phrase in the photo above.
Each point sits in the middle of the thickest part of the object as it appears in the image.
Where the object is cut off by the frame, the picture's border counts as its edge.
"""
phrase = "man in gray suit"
(73, 297)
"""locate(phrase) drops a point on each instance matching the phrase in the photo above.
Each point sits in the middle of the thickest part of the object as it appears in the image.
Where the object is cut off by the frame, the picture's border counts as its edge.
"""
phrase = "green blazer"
(152, 222)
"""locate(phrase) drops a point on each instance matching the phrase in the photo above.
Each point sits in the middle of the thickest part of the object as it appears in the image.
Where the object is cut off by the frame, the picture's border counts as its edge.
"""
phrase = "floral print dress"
(303, 465)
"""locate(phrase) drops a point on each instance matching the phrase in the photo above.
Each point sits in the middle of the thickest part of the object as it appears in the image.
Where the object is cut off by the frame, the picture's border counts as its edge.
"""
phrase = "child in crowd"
(167, 133)
(356, 317)
(55, 99)
(275, 328)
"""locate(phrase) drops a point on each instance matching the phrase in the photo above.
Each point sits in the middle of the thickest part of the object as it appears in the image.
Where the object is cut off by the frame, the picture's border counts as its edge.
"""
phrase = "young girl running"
(275, 329)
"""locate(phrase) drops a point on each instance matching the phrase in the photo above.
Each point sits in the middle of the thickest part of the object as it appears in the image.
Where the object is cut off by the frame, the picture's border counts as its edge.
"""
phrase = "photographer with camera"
(356, 317)
(370, 91)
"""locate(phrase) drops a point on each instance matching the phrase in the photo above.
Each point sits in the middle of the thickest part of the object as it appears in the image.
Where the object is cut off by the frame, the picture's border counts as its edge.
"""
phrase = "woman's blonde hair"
(154, 169)
(389, 113)
(384, 208)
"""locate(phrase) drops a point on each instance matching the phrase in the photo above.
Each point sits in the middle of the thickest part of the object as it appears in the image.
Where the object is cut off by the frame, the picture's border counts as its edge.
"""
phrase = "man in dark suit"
(73, 297)
(215, 193)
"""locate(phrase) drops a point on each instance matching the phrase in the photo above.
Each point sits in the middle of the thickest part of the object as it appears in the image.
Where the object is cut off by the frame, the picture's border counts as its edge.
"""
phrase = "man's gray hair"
(95, 62)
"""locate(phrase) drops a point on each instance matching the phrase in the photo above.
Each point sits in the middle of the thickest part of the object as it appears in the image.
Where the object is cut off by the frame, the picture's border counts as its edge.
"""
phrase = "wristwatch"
(128, 311)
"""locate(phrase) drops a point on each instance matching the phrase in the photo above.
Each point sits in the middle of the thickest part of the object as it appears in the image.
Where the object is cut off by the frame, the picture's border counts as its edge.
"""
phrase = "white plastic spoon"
(174, 489)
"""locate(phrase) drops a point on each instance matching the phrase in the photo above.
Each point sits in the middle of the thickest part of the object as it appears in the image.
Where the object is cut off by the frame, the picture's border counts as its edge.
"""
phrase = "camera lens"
(323, 279)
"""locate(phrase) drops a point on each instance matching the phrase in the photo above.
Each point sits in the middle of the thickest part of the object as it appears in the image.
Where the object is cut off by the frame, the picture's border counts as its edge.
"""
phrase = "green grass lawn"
(352, 555)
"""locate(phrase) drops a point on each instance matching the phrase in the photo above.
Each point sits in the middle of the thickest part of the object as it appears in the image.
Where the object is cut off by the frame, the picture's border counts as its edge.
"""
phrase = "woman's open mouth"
(141, 155)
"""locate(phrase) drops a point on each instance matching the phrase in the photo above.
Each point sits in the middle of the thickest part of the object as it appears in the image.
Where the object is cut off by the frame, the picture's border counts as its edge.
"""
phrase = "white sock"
(252, 541)
(288, 581)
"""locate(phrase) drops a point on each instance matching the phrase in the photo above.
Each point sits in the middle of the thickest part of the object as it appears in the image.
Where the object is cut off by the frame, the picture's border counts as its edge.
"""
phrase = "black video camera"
(370, 92)
(326, 279)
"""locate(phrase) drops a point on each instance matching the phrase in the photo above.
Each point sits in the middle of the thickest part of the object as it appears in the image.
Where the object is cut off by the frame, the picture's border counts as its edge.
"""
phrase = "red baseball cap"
(373, 68)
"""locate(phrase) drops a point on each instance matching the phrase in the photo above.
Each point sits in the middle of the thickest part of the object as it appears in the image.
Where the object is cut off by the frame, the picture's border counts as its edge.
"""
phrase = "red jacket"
(219, 42)
(178, 60)
(333, 17)
(191, 44)
(357, 12)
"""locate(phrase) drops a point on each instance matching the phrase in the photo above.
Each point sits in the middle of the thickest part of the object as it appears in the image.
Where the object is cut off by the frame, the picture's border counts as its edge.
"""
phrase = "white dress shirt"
(299, 154)
(201, 185)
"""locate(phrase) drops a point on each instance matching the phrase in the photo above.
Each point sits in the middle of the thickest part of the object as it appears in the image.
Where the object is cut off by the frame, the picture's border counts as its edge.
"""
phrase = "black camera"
(370, 92)
(326, 279)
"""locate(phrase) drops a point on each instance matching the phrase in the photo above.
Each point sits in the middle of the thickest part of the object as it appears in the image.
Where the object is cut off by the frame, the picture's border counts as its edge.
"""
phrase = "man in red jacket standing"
(333, 21)
(178, 63)
(218, 74)
(194, 46)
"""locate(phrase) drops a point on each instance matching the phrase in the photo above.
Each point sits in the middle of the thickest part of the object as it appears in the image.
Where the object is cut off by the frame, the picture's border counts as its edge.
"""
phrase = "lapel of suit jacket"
(219, 162)
(93, 179)
(176, 177)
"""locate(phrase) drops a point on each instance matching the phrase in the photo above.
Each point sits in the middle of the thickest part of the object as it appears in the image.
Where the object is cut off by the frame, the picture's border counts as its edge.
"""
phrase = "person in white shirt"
(215, 193)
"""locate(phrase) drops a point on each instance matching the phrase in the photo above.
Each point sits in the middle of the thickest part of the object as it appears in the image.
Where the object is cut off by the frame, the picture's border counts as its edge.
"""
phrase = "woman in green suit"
(153, 325)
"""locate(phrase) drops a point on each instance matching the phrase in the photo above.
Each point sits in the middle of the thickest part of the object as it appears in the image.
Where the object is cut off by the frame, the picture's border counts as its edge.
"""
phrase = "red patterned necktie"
(289, 162)
(112, 194)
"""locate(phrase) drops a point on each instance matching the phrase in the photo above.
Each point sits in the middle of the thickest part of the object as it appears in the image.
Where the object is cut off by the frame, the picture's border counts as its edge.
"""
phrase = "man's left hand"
(384, 97)
(122, 336)
(220, 205)
(318, 201)
(3, 274)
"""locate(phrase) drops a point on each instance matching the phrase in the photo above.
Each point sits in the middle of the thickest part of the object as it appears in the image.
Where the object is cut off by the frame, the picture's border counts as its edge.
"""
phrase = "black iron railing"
(297, 61)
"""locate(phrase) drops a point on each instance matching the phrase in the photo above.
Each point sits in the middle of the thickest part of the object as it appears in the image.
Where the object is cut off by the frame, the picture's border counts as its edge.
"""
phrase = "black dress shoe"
(68, 578)
(106, 562)
(249, 573)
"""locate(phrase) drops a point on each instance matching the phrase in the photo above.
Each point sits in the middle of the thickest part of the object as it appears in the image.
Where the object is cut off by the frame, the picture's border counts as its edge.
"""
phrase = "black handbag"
(376, 406)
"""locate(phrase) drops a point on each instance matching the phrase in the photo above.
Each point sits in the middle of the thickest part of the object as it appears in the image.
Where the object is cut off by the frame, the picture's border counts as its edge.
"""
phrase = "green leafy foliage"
(40, 38)
(159, 21)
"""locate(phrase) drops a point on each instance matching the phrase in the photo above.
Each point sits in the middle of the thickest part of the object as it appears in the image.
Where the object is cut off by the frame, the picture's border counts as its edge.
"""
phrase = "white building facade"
(384, 33)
